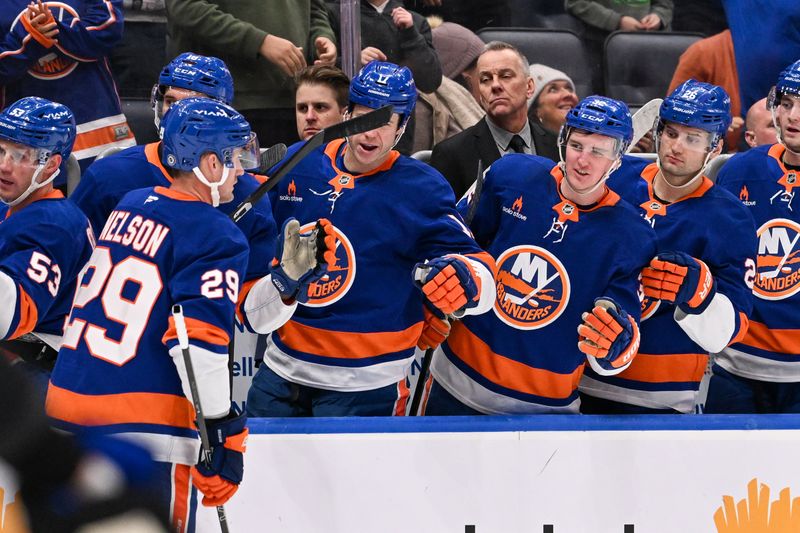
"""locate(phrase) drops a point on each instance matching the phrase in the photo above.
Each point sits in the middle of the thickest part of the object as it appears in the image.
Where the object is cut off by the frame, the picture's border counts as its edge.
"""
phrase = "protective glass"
(690, 139)
(597, 147)
(249, 155)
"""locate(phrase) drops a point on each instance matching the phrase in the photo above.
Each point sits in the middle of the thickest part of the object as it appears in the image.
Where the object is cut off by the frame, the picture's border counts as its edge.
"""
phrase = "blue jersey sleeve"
(96, 34)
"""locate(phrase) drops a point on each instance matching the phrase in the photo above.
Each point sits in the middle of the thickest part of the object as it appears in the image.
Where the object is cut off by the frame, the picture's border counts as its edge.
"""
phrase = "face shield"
(694, 140)
(163, 96)
(587, 159)
(22, 155)
(249, 155)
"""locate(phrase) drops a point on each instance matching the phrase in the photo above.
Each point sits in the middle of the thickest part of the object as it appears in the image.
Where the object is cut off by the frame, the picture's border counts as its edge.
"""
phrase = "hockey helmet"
(788, 83)
(698, 105)
(599, 114)
(380, 83)
(47, 126)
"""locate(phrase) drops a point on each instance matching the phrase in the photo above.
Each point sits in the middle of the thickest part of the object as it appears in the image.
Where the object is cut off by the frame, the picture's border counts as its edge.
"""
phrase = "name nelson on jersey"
(140, 233)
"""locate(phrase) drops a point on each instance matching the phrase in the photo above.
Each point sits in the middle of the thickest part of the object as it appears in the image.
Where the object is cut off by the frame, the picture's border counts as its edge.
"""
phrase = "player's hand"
(402, 18)
(435, 329)
(630, 24)
(449, 283)
(609, 335)
(679, 278)
(326, 51)
(283, 54)
(651, 22)
(39, 20)
(302, 259)
(219, 480)
(370, 53)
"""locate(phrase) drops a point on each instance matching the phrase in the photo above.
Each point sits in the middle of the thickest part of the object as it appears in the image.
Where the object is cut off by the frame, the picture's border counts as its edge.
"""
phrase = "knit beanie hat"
(456, 47)
(542, 75)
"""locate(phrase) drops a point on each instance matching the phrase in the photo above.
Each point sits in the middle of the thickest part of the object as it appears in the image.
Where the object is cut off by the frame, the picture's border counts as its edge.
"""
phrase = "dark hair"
(329, 76)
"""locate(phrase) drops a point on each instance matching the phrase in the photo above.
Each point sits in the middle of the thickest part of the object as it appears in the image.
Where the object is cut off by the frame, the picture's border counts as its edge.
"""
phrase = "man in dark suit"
(505, 86)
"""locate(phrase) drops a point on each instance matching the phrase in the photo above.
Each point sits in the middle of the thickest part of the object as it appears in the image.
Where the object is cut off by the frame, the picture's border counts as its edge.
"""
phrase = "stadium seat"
(423, 155)
(73, 173)
(560, 21)
(140, 119)
(560, 49)
(109, 151)
(638, 66)
(715, 166)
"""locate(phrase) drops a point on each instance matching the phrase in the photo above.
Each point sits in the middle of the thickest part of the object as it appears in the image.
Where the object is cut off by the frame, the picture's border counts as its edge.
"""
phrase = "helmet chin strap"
(34, 185)
(213, 186)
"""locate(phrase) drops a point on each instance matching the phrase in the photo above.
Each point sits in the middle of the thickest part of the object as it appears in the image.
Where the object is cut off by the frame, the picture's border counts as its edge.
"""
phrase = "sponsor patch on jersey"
(516, 209)
(532, 287)
(291, 194)
(335, 284)
(778, 261)
(55, 64)
(744, 196)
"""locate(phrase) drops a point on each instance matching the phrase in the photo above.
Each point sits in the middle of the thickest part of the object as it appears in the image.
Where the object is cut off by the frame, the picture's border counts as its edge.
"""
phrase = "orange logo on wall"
(11, 515)
(756, 514)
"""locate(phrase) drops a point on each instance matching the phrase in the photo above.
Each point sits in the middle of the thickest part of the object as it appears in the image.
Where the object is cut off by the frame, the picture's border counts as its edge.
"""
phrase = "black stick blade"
(354, 126)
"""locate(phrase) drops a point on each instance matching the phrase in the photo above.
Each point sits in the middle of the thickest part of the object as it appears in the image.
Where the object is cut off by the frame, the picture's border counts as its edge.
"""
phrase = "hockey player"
(348, 350)
(120, 367)
(697, 289)
(761, 374)
(568, 257)
(109, 179)
(44, 239)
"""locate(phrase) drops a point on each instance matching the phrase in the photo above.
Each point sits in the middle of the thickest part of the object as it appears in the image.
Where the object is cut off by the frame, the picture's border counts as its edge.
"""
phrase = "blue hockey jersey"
(73, 70)
(362, 321)
(770, 351)
(106, 181)
(115, 369)
(43, 247)
(710, 225)
(553, 259)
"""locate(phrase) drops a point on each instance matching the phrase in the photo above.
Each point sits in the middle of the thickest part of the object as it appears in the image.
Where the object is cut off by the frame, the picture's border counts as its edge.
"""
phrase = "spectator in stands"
(505, 87)
(473, 14)
(712, 60)
(391, 33)
(57, 50)
(141, 53)
(699, 16)
(605, 16)
(320, 99)
(759, 127)
(458, 50)
(552, 98)
(451, 108)
(265, 47)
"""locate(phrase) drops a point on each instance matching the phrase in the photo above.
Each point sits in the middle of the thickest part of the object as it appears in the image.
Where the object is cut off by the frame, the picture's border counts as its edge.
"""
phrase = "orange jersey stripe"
(507, 372)
(198, 330)
(772, 340)
(744, 327)
(28, 314)
(180, 499)
(123, 408)
(99, 137)
(345, 344)
(685, 367)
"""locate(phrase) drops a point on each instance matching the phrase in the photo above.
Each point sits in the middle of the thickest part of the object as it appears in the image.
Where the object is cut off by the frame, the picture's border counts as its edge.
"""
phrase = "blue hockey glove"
(302, 259)
(219, 480)
(448, 283)
(608, 336)
(679, 278)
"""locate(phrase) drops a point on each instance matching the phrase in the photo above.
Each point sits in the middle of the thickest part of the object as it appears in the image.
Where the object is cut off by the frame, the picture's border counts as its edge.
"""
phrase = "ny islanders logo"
(335, 284)
(532, 287)
(57, 63)
(778, 263)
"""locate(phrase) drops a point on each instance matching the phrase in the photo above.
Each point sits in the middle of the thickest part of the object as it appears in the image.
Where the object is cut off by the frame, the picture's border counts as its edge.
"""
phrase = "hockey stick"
(425, 367)
(354, 126)
(270, 157)
(643, 120)
(183, 343)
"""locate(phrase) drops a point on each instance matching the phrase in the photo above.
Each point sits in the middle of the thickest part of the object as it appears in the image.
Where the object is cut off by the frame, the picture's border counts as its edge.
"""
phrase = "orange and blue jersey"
(43, 247)
(362, 321)
(107, 180)
(553, 259)
(708, 224)
(71, 69)
(115, 369)
(770, 351)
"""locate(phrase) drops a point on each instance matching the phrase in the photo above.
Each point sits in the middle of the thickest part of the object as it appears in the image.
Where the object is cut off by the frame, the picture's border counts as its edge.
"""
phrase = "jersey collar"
(569, 210)
(55, 194)
(336, 149)
(152, 152)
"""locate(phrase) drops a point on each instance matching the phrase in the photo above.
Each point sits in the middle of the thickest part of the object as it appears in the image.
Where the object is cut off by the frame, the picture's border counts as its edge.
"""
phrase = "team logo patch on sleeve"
(335, 284)
(532, 287)
(778, 261)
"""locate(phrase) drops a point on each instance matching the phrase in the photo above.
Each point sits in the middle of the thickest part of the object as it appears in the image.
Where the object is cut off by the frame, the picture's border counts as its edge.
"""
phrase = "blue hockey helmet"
(788, 83)
(47, 126)
(599, 114)
(380, 83)
(698, 105)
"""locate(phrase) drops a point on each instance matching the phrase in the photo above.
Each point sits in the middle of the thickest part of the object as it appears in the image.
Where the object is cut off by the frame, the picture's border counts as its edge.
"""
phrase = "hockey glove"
(302, 259)
(449, 283)
(435, 329)
(220, 479)
(679, 278)
(608, 336)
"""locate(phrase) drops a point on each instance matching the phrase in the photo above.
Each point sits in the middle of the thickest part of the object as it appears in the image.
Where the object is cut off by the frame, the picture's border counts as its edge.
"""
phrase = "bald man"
(759, 129)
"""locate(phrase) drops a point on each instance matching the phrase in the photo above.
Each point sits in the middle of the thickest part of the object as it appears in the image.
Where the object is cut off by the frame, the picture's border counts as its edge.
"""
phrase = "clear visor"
(670, 135)
(249, 155)
(22, 155)
(163, 96)
(786, 105)
(598, 147)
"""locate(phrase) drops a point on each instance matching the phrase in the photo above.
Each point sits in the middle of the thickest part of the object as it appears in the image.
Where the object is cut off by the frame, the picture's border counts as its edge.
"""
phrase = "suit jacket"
(457, 157)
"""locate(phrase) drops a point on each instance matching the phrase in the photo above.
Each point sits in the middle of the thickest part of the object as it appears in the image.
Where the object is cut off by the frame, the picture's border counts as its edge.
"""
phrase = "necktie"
(517, 144)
